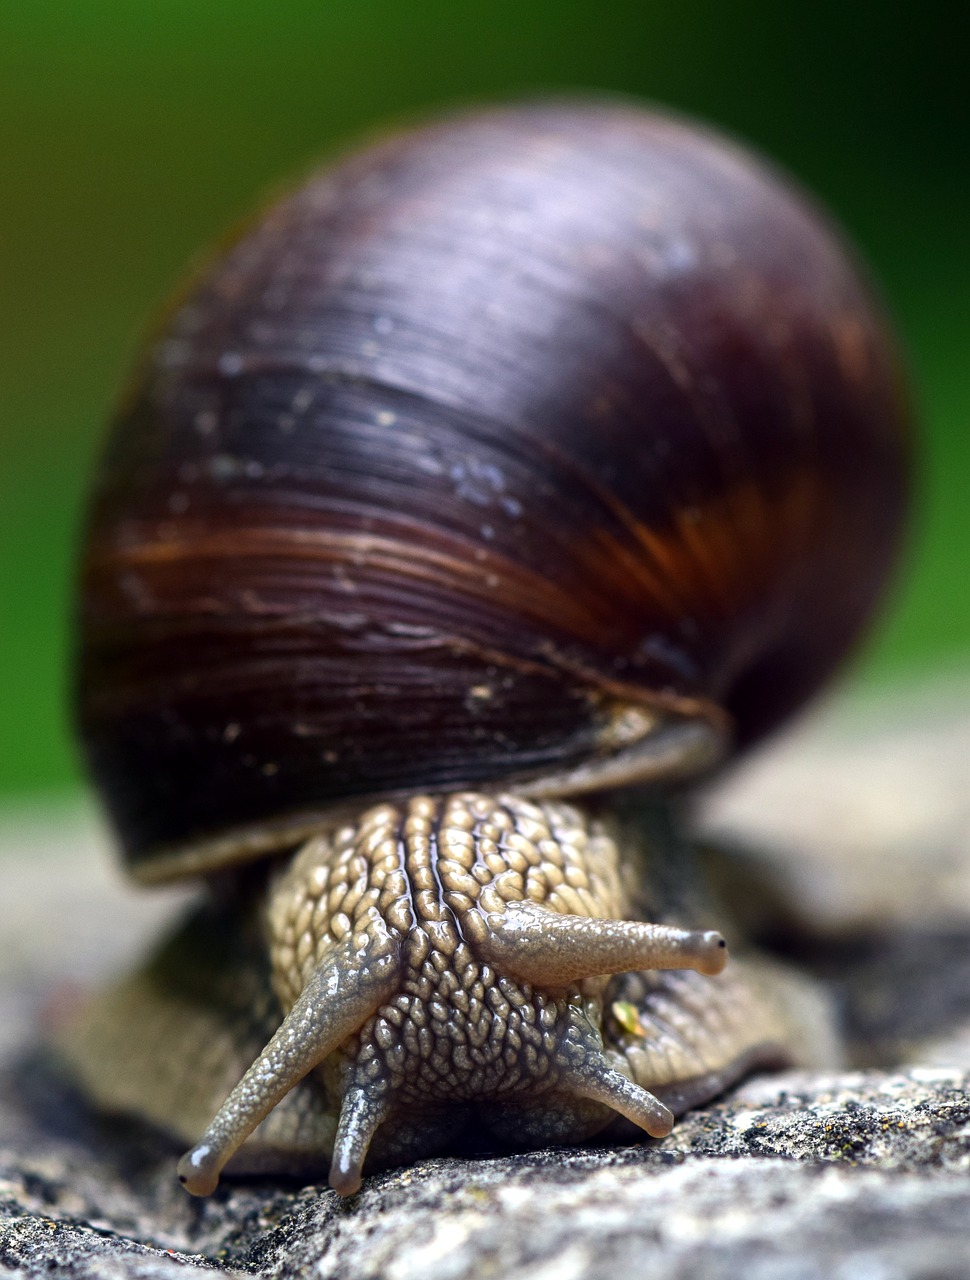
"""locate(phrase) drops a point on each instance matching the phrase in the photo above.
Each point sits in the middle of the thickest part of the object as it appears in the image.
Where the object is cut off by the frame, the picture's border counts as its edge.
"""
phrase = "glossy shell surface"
(473, 458)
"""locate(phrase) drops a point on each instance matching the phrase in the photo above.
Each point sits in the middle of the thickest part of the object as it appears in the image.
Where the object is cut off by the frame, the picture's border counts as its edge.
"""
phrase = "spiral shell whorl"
(488, 440)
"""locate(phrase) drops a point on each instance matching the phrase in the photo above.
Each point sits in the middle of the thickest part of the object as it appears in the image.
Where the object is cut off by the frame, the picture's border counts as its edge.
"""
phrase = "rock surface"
(864, 1173)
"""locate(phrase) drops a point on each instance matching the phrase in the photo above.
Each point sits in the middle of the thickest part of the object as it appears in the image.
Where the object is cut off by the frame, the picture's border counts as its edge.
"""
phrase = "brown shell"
(486, 450)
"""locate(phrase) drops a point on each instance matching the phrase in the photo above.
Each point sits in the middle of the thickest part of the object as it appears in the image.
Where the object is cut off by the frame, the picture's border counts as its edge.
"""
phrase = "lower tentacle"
(605, 1084)
(362, 1111)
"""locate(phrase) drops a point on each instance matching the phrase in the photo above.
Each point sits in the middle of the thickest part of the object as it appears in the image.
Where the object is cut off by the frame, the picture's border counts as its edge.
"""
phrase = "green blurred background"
(132, 132)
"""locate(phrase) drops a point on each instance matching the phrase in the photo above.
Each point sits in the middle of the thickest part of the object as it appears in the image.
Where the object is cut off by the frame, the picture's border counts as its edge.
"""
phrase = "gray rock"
(863, 1173)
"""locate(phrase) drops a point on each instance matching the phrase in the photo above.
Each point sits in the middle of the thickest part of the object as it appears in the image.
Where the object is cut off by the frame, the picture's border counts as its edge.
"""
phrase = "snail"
(508, 476)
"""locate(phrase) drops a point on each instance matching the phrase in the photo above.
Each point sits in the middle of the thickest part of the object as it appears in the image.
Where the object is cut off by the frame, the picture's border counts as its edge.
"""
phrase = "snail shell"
(531, 453)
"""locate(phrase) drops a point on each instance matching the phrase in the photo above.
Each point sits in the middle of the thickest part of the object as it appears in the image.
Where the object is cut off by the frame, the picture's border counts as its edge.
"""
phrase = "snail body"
(533, 454)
